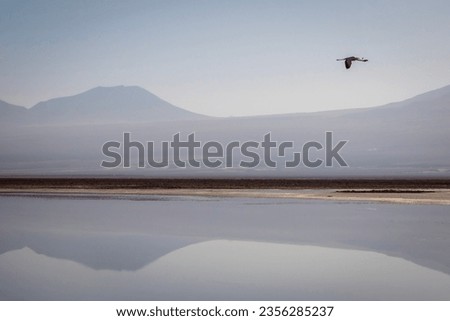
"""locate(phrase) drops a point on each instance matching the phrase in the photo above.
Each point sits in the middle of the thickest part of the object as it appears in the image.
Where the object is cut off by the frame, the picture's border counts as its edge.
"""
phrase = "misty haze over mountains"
(64, 136)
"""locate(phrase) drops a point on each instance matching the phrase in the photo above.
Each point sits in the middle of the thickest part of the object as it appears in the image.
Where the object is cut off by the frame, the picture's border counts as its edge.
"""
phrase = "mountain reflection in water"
(205, 249)
(228, 270)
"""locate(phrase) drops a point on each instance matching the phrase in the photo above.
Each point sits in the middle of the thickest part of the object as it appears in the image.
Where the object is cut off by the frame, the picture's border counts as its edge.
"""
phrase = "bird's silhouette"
(349, 60)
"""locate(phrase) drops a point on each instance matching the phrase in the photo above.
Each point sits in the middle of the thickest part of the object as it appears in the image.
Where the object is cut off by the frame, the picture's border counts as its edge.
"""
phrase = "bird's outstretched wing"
(348, 63)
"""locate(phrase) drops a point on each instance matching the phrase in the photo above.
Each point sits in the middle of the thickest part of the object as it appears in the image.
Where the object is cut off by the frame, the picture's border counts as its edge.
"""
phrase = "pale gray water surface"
(198, 248)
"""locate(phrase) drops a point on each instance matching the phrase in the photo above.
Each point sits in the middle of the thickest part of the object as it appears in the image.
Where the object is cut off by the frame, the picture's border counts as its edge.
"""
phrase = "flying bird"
(349, 60)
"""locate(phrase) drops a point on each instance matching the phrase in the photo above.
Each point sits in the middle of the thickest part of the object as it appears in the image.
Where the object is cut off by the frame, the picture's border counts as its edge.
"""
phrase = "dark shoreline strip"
(213, 183)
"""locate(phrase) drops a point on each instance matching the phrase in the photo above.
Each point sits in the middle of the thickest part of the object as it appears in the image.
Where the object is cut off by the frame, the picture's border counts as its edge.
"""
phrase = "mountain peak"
(115, 88)
(110, 104)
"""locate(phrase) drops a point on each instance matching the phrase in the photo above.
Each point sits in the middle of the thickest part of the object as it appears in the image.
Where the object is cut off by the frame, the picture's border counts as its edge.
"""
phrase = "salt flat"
(429, 196)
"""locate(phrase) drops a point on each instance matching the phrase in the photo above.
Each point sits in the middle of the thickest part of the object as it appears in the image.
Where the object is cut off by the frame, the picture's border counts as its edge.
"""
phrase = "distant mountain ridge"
(135, 104)
(407, 138)
(10, 111)
(101, 105)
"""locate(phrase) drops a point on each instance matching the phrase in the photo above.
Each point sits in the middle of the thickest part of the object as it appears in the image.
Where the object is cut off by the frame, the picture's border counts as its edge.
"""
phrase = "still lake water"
(198, 248)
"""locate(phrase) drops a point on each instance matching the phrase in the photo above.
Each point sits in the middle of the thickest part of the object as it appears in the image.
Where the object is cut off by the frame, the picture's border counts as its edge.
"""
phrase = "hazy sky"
(226, 58)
